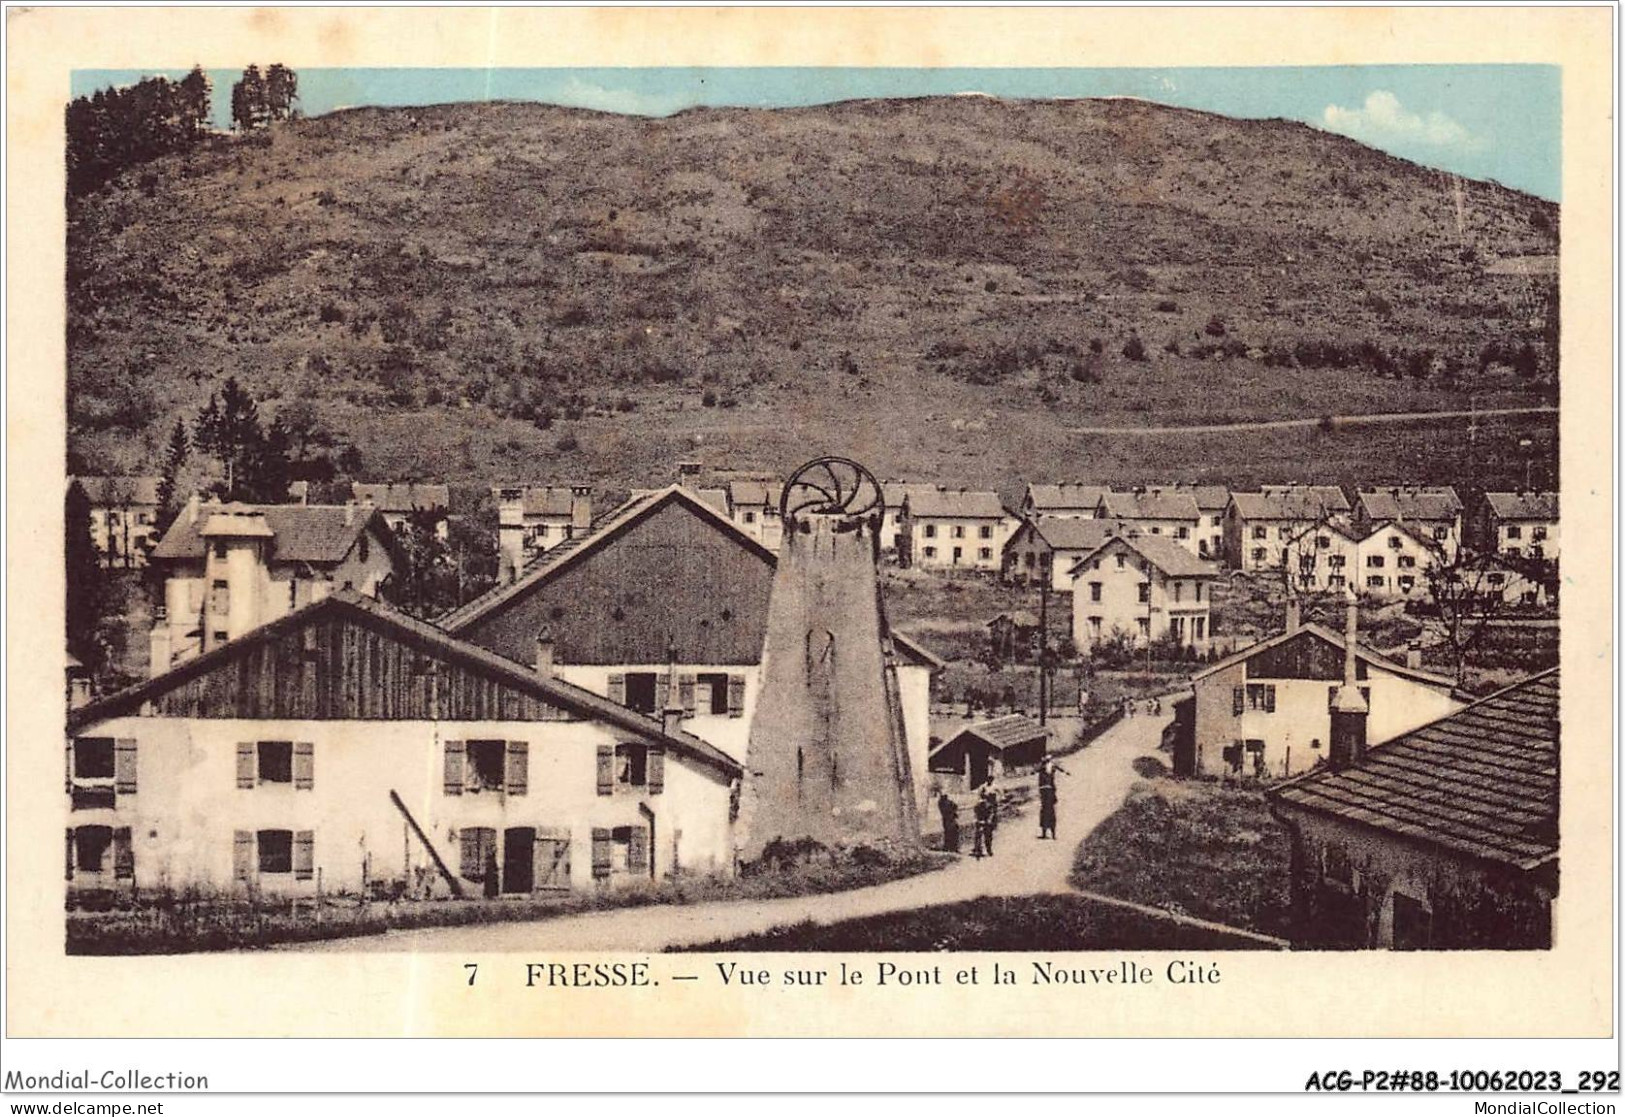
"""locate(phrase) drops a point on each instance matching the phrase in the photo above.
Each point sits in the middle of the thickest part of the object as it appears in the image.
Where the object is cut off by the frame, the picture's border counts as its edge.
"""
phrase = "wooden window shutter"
(602, 854)
(637, 852)
(685, 694)
(736, 696)
(124, 766)
(657, 771)
(123, 854)
(454, 767)
(245, 764)
(662, 691)
(470, 863)
(304, 765)
(68, 770)
(1238, 700)
(1269, 699)
(304, 854)
(70, 853)
(617, 688)
(606, 769)
(518, 774)
(242, 855)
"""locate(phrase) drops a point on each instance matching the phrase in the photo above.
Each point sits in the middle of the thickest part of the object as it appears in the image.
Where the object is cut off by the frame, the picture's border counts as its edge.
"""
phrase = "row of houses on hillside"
(584, 724)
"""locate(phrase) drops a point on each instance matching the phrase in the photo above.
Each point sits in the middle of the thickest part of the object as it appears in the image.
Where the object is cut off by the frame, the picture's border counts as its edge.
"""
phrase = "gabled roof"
(916, 652)
(602, 532)
(716, 498)
(1410, 503)
(1337, 527)
(959, 504)
(1522, 506)
(1335, 639)
(756, 494)
(1482, 781)
(1001, 732)
(539, 500)
(1160, 551)
(1070, 533)
(402, 496)
(893, 493)
(1150, 504)
(1290, 502)
(1068, 496)
(506, 672)
(116, 492)
(316, 533)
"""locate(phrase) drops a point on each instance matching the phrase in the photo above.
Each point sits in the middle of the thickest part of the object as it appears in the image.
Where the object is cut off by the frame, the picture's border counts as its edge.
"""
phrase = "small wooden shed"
(1008, 745)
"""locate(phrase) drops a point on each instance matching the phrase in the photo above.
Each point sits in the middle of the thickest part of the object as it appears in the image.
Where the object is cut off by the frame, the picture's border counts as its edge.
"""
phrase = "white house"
(1428, 513)
(346, 747)
(1055, 544)
(533, 519)
(953, 529)
(893, 494)
(1519, 525)
(1144, 587)
(1258, 524)
(753, 506)
(1395, 560)
(229, 568)
(1070, 499)
(1266, 710)
(123, 517)
(1156, 510)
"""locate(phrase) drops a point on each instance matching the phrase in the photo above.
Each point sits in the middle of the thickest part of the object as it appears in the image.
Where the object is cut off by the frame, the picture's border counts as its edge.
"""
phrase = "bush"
(568, 444)
(1134, 349)
(331, 313)
(709, 399)
(1168, 306)
(1214, 327)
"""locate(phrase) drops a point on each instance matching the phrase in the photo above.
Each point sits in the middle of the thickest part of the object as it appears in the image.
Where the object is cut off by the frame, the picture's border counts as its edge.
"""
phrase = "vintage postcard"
(936, 522)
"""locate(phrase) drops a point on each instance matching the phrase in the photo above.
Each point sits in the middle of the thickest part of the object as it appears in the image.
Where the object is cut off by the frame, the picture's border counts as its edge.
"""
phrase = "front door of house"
(519, 859)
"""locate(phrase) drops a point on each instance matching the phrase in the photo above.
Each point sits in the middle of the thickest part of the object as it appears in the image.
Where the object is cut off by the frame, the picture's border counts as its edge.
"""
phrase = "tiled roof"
(499, 668)
(1410, 503)
(1151, 504)
(402, 496)
(117, 492)
(320, 533)
(539, 500)
(1161, 552)
(1066, 496)
(967, 504)
(1523, 506)
(921, 656)
(894, 492)
(1335, 639)
(1069, 533)
(638, 505)
(1481, 781)
(1291, 502)
(1003, 732)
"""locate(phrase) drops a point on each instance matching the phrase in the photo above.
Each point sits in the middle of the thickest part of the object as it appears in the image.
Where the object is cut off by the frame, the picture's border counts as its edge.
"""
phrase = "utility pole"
(1043, 640)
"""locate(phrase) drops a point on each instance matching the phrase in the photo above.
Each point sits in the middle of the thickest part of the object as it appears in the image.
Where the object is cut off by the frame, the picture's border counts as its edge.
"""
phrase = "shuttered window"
(245, 764)
(657, 771)
(602, 853)
(70, 853)
(242, 855)
(736, 696)
(662, 691)
(275, 851)
(304, 766)
(637, 851)
(478, 851)
(685, 694)
(123, 854)
(606, 769)
(454, 768)
(304, 855)
(124, 766)
(518, 775)
(1238, 700)
(617, 688)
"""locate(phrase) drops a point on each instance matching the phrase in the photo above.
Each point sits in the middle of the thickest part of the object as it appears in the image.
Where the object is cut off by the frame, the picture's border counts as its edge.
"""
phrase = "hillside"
(938, 287)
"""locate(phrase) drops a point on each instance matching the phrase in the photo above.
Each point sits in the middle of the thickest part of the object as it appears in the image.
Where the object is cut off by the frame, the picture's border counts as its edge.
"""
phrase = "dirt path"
(1339, 420)
(1095, 784)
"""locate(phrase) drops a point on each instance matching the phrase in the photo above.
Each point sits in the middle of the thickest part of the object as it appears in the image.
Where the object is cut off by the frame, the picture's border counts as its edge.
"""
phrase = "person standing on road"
(950, 822)
(987, 806)
(1047, 796)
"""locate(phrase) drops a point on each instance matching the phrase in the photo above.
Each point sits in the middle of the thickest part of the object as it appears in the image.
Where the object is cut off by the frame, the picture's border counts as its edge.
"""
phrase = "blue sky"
(1498, 122)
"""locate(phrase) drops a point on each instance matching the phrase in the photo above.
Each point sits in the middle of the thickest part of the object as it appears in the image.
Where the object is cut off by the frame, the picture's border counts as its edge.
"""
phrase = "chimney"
(1349, 709)
(193, 503)
(580, 510)
(671, 718)
(1294, 613)
(544, 652)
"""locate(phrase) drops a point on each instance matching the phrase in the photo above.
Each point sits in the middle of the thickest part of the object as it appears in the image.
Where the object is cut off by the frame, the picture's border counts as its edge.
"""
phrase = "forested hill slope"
(940, 285)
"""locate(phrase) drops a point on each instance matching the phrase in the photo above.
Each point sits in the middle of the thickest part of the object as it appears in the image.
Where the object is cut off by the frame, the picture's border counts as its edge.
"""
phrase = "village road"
(1096, 782)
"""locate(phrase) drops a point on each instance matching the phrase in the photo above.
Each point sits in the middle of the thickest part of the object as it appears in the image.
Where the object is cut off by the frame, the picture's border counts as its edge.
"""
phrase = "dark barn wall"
(1305, 656)
(670, 581)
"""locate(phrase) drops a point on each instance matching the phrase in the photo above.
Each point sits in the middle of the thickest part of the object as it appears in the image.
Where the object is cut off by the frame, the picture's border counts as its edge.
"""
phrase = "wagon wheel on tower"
(831, 486)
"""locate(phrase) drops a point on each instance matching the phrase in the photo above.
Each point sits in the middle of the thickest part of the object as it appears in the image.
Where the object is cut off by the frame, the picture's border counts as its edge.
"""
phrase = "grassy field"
(941, 288)
(160, 923)
(1195, 847)
(1022, 923)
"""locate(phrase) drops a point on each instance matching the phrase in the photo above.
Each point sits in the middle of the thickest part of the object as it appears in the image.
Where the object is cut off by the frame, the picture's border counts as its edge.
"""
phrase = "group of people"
(1132, 706)
(986, 812)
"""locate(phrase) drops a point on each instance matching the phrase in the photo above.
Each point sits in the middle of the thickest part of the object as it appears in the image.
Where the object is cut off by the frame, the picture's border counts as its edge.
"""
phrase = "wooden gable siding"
(336, 668)
(1305, 656)
(671, 581)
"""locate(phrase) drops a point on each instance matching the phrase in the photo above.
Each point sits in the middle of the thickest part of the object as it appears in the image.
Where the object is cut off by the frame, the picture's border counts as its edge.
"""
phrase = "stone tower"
(828, 757)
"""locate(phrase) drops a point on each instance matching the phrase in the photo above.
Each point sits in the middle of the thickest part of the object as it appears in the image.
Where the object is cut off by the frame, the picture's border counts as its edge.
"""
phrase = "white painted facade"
(1117, 591)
